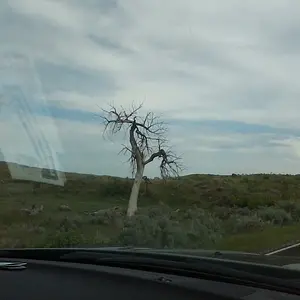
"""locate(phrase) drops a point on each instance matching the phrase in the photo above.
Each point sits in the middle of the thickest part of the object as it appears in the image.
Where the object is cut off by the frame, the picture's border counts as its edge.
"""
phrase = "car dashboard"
(60, 280)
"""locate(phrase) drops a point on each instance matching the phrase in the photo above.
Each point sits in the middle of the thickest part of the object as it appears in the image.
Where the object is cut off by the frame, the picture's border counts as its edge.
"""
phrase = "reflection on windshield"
(22, 98)
(162, 125)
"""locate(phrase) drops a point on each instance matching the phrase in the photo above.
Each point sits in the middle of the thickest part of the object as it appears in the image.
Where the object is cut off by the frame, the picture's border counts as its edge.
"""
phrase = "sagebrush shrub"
(238, 223)
(60, 239)
(291, 207)
(116, 187)
(296, 212)
(288, 206)
(274, 215)
(158, 227)
(243, 211)
(222, 212)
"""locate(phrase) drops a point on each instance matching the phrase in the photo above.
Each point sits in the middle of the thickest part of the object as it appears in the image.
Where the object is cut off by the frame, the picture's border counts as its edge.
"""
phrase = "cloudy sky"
(224, 75)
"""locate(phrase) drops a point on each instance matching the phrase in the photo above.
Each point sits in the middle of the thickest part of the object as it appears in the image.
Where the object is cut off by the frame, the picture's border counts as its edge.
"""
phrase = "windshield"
(160, 124)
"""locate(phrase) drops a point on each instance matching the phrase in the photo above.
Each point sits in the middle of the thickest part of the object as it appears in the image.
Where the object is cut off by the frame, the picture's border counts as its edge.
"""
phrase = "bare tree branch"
(147, 138)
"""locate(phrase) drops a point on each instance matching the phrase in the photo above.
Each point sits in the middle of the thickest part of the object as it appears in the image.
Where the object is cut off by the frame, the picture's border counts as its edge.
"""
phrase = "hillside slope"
(240, 212)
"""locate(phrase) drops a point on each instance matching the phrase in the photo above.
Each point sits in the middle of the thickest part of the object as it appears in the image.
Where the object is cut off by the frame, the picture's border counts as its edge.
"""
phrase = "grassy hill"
(237, 212)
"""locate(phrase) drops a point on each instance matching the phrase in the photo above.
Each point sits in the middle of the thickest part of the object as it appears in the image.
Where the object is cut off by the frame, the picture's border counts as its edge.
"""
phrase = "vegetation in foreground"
(238, 212)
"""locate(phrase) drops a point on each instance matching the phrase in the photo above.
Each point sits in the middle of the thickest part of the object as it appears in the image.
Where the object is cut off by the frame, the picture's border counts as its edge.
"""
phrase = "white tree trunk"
(132, 204)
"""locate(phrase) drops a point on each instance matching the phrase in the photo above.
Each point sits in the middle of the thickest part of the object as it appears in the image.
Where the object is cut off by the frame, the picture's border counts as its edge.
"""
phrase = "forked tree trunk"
(132, 205)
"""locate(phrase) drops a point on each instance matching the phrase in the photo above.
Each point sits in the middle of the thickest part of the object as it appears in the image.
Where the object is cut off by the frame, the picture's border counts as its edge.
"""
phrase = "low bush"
(68, 238)
(165, 228)
(238, 223)
(274, 215)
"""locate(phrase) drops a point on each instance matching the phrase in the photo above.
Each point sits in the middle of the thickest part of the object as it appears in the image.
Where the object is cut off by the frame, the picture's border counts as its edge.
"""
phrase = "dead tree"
(147, 142)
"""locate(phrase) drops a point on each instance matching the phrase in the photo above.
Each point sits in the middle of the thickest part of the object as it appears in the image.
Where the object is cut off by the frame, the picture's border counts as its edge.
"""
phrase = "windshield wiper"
(204, 268)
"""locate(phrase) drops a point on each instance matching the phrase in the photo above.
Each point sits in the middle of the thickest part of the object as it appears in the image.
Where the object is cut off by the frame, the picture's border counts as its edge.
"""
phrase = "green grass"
(271, 237)
(243, 212)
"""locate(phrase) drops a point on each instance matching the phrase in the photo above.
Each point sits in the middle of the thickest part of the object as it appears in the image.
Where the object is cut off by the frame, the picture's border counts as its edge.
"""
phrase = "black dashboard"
(56, 280)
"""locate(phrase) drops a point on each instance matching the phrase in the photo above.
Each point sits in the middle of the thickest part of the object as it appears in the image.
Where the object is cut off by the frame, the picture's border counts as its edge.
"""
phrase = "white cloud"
(190, 60)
